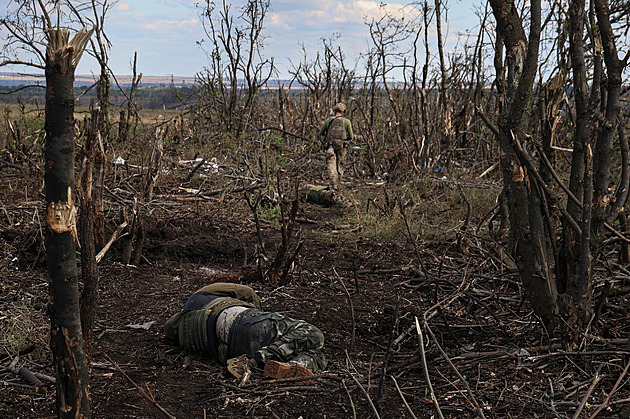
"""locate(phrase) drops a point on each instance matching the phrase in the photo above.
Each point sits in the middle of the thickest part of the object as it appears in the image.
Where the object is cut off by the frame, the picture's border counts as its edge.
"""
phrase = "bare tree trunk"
(575, 258)
(66, 340)
(89, 268)
(101, 113)
(425, 149)
(129, 117)
(445, 117)
(529, 230)
(602, 154)
(100, 163)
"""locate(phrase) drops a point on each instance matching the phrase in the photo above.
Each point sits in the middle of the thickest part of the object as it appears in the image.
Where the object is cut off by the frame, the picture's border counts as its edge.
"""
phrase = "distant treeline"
(146, 97)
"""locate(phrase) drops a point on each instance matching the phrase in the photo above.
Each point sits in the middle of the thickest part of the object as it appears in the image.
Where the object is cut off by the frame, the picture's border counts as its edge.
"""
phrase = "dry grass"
(21, 326)
(435, 210)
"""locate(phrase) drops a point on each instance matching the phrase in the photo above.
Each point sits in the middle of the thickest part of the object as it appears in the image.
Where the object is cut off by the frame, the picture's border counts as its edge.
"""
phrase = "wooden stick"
(614, 389)
(110, 242)
(140, 390)
(366, 394)
(351, 309)
(381, 383)
(354, 411)
(596, 380)
(403, 397)
(426, 371)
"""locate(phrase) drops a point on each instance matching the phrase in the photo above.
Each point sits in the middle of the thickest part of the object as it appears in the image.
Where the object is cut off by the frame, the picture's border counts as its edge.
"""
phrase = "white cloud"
(277, 21)
(185, 3)
(332, 12)
(123, 7)
(168, 25)
(170, 28)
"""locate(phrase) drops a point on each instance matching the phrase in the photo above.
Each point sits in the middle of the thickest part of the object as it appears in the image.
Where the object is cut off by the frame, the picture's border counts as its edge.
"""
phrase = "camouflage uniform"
(323, 195)
(272, 335)
(336, 132)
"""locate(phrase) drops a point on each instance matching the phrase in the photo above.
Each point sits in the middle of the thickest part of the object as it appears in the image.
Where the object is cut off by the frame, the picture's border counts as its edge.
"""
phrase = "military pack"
(337, 129)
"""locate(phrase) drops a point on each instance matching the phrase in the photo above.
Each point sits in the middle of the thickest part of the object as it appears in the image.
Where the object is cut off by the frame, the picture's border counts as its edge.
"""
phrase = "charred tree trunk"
(89, 268)
(129, 117)
(592, 161)
(445, 119)
(603, 150)
(574, 262)
(529, 230)
(66, 340)
(590, 205)
(100, 163)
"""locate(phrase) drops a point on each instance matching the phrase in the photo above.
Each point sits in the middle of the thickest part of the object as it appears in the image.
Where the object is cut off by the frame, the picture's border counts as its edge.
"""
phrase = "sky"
(166, 33)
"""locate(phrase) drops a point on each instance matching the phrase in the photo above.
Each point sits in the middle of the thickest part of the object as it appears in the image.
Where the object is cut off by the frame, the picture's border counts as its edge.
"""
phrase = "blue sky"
(165, 32)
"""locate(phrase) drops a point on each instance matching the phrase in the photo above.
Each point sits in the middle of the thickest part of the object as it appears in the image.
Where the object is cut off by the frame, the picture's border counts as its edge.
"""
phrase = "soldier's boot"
(241, 366)
(275, 369)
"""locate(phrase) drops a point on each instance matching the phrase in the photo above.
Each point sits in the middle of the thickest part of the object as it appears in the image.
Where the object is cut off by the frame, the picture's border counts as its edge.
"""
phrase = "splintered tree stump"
(66, 339)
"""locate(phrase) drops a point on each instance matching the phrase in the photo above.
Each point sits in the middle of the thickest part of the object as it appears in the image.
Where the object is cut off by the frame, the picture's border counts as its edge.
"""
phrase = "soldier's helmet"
(339, 107)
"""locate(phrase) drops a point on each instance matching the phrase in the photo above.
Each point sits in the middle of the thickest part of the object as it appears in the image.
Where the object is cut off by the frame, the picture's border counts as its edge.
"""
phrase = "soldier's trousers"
(335, 159)
(278, 338)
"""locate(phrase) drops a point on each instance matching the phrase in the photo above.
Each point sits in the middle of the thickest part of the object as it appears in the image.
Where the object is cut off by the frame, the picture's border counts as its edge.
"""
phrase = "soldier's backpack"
(337, 129)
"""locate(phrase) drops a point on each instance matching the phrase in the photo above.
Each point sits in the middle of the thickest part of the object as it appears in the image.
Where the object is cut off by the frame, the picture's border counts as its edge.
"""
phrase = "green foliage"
(270, 212)
(22, 128)
(32, 123)
(277, 143)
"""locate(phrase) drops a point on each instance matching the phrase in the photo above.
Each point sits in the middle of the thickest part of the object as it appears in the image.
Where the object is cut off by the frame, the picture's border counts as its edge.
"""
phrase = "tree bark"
(529, 230)
(602, 153)
(574, 263)
(445, 122)
(66, 340)
(87, 226)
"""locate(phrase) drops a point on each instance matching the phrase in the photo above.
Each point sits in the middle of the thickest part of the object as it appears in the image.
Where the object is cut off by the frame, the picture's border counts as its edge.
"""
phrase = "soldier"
(225, 321)
(335, 134)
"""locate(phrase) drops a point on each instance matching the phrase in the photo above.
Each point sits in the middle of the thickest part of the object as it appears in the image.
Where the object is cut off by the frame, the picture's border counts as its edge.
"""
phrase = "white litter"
(144, 326)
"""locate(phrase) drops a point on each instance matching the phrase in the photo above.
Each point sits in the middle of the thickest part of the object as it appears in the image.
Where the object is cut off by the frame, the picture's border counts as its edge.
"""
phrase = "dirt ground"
(485, 351)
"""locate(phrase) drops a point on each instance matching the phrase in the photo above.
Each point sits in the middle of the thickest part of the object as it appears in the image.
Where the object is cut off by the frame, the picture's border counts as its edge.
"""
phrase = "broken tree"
(66, 340)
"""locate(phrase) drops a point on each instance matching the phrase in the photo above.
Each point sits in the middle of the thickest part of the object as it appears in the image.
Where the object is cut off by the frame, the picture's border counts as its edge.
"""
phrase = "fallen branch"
(351, 309)
(426, 372)
(584, 353)
(228, 191)
(403, 397)
(140, 390)
(364, 392)
(354, 410)
(596, 380)
(614, 389)
(29, 378)
(111, 241)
